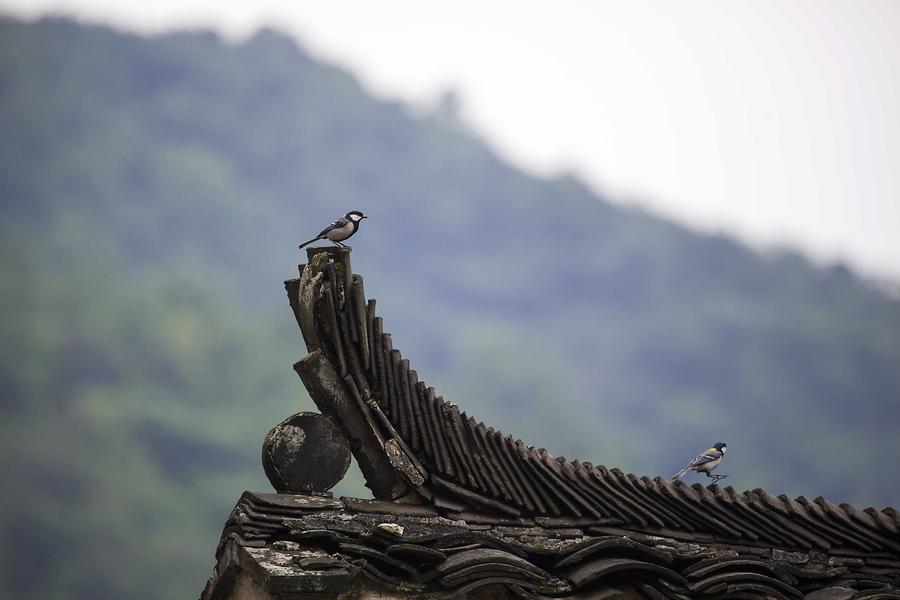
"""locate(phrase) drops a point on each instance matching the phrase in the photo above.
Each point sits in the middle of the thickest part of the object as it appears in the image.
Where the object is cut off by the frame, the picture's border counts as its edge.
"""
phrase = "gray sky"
(777, 121)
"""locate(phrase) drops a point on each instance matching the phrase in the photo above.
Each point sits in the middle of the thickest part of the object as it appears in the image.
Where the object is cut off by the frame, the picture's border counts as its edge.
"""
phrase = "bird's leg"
(716, 478)
(342, 245)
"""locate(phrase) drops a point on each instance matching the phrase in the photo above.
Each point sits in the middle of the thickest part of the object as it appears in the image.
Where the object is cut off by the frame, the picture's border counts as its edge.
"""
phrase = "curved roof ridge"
(442, 457)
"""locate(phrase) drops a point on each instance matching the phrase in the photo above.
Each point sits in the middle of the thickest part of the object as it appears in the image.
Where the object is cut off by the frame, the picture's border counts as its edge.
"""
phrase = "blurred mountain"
(153, 193)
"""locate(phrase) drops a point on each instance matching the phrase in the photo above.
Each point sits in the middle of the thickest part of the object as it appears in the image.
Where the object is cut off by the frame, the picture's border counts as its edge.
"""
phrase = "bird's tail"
(300, 247)
(679, 474)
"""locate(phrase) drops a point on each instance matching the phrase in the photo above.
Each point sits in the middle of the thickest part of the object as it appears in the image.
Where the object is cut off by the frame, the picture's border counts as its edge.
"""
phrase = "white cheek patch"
(355, 218)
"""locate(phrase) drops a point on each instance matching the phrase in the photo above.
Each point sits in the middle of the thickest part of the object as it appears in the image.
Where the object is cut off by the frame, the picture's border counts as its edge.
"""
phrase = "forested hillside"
(153, 194)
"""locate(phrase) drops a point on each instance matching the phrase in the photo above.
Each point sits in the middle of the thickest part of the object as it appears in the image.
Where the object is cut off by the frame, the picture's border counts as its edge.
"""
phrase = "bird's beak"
(365, 217)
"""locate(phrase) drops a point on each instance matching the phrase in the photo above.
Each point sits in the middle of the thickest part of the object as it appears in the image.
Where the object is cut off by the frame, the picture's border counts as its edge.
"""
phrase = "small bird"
(706, 462)
(340, 230)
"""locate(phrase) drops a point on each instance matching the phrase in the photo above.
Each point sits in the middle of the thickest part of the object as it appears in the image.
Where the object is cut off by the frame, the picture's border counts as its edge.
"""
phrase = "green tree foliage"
(153, 192)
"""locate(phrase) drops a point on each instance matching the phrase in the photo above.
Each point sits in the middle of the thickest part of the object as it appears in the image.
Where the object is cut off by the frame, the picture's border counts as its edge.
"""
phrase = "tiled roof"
(296, 544)
(459, 465)
(463, 511)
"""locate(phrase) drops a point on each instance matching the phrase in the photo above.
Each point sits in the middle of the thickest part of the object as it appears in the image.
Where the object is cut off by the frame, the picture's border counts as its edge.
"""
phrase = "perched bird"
(340, 230)
(706, 462)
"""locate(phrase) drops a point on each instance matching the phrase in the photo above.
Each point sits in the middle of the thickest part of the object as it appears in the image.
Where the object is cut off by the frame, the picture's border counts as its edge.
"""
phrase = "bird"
(340, 230)
(706, 462)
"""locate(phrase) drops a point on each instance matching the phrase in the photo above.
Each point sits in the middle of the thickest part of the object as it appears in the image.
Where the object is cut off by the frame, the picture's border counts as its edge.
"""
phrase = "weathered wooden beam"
(331, 397)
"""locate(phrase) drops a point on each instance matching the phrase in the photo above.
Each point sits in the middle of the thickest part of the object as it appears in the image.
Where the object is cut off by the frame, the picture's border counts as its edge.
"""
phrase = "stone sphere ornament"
(306, 453)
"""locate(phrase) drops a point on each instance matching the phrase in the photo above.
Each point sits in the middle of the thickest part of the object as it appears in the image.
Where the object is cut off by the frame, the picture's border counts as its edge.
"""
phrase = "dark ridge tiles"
(413, 549)
(467, 464)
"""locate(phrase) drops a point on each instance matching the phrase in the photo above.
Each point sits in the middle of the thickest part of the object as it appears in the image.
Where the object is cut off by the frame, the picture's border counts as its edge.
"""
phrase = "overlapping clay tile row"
(481, 467)
(397, 545)
(452, 445)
